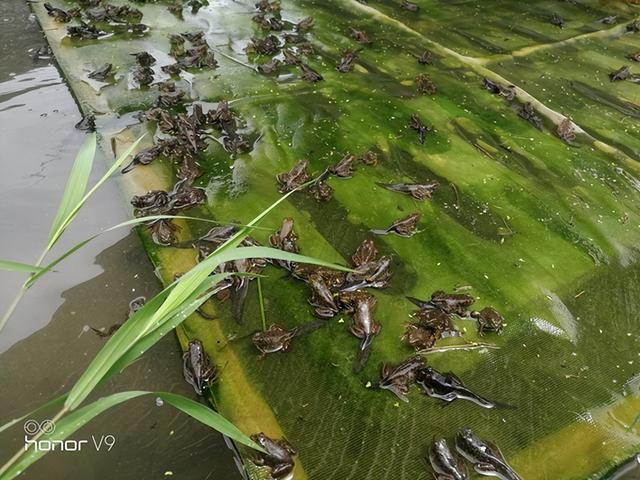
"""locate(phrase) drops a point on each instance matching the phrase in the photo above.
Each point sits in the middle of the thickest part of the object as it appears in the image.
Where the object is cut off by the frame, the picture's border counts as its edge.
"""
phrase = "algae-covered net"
(518, 120)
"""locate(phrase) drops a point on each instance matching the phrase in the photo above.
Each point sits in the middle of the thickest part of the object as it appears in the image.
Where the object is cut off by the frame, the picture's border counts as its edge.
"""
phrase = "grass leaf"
(58, 401)
(12, 266)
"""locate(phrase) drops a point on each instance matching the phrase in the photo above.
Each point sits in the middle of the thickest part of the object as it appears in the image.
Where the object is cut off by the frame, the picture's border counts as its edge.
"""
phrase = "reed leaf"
(67, 425)
(56, 402)
(12, 266)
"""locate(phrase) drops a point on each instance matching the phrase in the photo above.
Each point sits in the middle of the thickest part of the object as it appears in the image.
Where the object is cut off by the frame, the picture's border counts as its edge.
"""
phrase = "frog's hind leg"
(487, 469)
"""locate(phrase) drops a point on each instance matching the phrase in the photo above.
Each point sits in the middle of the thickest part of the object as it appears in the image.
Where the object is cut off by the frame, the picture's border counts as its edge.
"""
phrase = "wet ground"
(47, 343)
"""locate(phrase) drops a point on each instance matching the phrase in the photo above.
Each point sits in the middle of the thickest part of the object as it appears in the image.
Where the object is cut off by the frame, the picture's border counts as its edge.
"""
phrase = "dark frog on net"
(197, 369)
(278, 457)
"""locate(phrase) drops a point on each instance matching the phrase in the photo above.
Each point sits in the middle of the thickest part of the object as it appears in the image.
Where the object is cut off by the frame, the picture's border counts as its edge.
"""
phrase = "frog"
(144, 59)
(529, 114)
(425, 58)
(272, 6)
(199, 57)
(332, 278)
(285, 239)
(135, 305)
(557, 20)
(321, 297)
(398, 379)
(371, 274)
(633, 27)
(365, 253)
(344, 168)
(263, 46)
(445, 464)
(102, 73)
(438, 321)
(620, 74)
(361, 305)
(84, 31)
(220, 118)
(489, 320)
(279, 456)
(360, 36)
(163, 232)
(57, 13)
(635, 56)
(321, 191)
(87, 123)
(347, 60)
(196, 367)
(173, 69)
(370, 158)
(416, 124)
(309, 74)
(236, 144)
(609, 20)
(565, 130)
(419, 337)
(304, 25)
(449, 388)
(290, 58)
(419, 191)
(274, 339)
(409, 6)
(509, 92)
(295, 178)
(143, 76)
(271, 66)
(456, 303)
(404, 227)
(176, 45)
(486, 457)
(425, 84)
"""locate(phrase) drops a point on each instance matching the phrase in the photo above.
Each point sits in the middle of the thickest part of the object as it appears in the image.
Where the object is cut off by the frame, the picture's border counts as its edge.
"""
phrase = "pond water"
(47, 344)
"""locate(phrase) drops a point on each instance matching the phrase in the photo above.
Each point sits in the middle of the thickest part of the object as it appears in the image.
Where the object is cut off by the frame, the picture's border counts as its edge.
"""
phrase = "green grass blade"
(12, 266)
(75, 189)
(67, 425)
(58, 401)
(209, 417)
(73, 209)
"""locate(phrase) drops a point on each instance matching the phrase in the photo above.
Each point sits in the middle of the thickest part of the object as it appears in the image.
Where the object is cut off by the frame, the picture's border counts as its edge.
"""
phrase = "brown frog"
(419, 191)
(57, 13)
(398, 379)
(270, 67)
(565, 130)
(365, 253)
(321, 297)
(279, 456)
(438, 321)
(425, 84)
(285, 239)
(405, 227)
(275, 339)
(321, 191)
(295, 178)
(305, 24)
(419, 337)
(344, 168)
(635, 56)
(346, 62)
(290, 58)
(425, 58)
(371, 274)
(197, 368)
(309, 74)
(143, 76)
(557, 20)
(489, 320)
(144, 59)
(102, 73)
(456, 303)
(409, 6)
(371, 158)
(360, 36)
(263, 46)
(529, 114)
(361, 305)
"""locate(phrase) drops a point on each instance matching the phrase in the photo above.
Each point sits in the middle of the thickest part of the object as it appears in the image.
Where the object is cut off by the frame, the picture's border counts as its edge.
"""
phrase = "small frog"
(557, 20)
(144, 59)
(438, 321)
(425, 58)
(621, 74)
(370, 157)
(372, 274)
(528, 113)
(565, 131)
(270, 67)
(57, 13)
(634, 56)
(87, 123)
(425, 84)
(346, 62)
(290, 58)
(448, 387)
(344, 168)
(360, 36)
(275, 339)
(272, 6)
(295, 178)
(409, 6)
(176, 43)
(398, 379)
(305, 24)
(102, 72)
(405, 227)
(633, 27)
(143, 76)
(144, 157)
(419, 337)
(172, 69)
(486, 457)
(489, 320)
(419, 191)
(197, 368)
(456, 303)
(416, 124)
(263, 46)
(279, 456)
(445, 464)
(321, 191)
(285, 239)
(321, 297)
(609, 20)
(361, 306)
(162, 232)
(84, 32)
(309, 74)
(365, 253)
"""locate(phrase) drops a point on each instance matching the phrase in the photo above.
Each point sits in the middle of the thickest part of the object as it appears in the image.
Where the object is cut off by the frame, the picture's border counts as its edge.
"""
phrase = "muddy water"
(47, 343)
